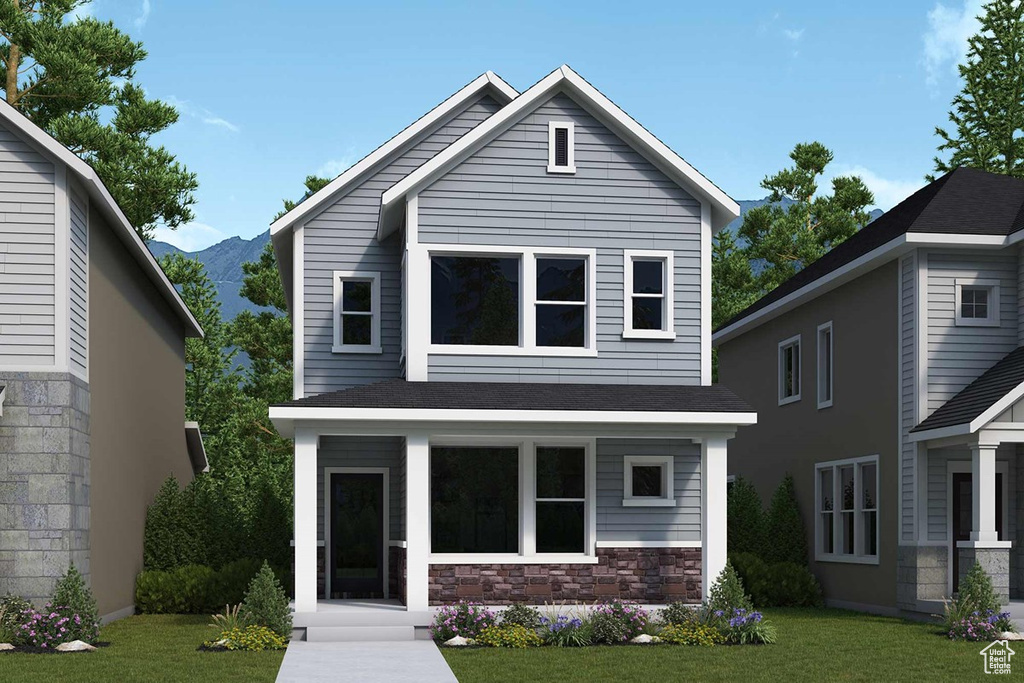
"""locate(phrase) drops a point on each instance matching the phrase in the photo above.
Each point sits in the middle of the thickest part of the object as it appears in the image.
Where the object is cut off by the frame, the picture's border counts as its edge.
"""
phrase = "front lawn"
(149, 647)
(814, 645)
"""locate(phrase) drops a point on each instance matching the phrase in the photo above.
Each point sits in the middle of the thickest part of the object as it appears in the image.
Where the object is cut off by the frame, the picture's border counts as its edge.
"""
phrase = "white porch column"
(305, 520)
(417, 521)
(713, 472)
(983, 484)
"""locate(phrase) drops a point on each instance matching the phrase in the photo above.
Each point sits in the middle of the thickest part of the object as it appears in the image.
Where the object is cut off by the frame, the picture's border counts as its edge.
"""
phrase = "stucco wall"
(137, 383)
(862, 421)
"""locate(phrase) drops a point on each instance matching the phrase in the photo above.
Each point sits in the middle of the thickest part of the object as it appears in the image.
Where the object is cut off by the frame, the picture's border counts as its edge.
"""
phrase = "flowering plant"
(742, 626)
(52, 626)
(617, 622)
(466, 619)
(562, 630)
(978, 626)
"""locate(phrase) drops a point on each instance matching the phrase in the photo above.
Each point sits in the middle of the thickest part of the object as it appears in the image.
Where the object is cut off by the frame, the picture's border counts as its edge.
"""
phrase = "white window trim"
(386, 503)
(993, 302)
(783, 400)
(570, 141)
(528, 503)
(667, 464)
(668, 330)
(858, 501)
(528, 301)
(820, 376)
(374, 277)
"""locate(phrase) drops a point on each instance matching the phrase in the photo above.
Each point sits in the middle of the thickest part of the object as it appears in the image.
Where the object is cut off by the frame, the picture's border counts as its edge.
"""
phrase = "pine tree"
(785, 527)
(987, 115)
(746, 520)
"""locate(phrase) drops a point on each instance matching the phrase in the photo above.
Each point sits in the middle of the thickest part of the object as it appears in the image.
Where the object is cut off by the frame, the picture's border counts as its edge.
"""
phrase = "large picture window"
(474, 300)
(846, 524)
(474, 500)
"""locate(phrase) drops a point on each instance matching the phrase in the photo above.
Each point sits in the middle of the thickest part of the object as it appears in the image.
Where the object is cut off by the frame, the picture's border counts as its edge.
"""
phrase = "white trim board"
(724, 208)
(667, 297)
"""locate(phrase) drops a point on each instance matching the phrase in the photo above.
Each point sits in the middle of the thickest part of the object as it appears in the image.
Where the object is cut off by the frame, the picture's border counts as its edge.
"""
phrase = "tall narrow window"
(561, 143)
(648, 295)
(789, 370)
(356, 312)
(474, 300)
(825, 365)
(561, 301)
(561, 499)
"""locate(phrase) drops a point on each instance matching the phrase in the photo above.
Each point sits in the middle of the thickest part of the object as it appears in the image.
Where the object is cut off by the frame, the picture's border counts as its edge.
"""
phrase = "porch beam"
(305, 520)
(713, 473)
(983, 483)
(417, 522)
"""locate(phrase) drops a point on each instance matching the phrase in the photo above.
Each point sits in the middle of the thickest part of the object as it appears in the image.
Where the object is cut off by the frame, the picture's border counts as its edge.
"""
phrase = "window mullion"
(858, 526)
(837, 511)
(528, 293)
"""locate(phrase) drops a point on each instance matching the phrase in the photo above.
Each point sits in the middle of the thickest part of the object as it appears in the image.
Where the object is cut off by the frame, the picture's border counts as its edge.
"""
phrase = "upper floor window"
(474, 300)
(561, 301)
(825, 365)
(561, 147)
(977, 302)
(846, 524)
(356, 312)
(789, 370)
(648, 302)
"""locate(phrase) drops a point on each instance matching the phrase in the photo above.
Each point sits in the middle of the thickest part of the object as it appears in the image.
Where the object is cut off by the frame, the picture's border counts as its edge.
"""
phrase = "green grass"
(814, 645)
(148, 647)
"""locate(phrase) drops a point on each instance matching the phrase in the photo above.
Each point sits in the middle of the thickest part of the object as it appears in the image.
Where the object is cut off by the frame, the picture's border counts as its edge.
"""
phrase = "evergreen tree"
(745, 522)
(75, 78)
(987, 115)
(787, 537)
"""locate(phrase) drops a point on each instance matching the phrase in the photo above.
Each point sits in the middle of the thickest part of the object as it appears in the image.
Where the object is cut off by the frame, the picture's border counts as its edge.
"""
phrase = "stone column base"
(995, 562)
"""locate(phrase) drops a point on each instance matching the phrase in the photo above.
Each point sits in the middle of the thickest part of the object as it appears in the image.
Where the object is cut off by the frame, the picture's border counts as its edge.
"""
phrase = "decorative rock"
(459, 641)
(6, 646)
(645, 639)
(1010, 635)
(75, 646)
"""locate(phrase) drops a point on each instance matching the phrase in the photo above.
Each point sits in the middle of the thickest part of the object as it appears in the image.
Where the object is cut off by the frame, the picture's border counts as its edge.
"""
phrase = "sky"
(270, 92)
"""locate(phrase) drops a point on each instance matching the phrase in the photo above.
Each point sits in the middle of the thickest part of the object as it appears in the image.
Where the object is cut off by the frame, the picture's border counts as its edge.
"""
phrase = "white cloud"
(202, 113)
(888, 192)
(191, 236)
(332, 168)
(945, 41)
(223, 123)
(141, 20)
(793, 34)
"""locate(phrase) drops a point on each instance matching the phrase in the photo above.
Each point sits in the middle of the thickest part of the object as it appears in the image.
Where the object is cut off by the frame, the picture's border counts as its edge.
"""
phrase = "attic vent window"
(561, 143)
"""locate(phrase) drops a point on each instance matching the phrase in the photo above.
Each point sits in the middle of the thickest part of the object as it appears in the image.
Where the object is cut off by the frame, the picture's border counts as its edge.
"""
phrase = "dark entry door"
(355, 562)
(963, 513)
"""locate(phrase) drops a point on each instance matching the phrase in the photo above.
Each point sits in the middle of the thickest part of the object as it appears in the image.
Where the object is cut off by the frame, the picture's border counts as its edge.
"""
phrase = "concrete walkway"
(410, 660)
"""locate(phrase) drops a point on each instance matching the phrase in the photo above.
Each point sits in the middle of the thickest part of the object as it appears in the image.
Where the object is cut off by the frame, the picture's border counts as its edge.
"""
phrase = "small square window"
(977, 303)
(648, 480)
(356, 312)
(561, 147)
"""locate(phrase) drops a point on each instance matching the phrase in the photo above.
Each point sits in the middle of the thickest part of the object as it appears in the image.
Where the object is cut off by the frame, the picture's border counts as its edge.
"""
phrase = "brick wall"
(646, 575)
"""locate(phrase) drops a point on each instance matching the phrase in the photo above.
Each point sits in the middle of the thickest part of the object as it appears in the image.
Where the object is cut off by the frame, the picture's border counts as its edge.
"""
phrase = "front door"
(355, 560)
(963, 514)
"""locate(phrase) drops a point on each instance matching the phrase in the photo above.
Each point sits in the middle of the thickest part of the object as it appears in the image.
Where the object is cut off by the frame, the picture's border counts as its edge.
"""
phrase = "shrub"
(976, 589)
(230, 619)
(975, 600)
(174, 533)
(193, 589)
(561, 630)
(524, 615)
(978, 626)
(745, 521)
(678, 613)
(742, 627)
(72, 595)
(53, 625)
(266, 604)
(692, 634)
(11, 607)
(617, 622)
(232, 580)
(508, 635)
(466, 619)
(251, 638)
(727, 593)
(783, 584)
(785, 527)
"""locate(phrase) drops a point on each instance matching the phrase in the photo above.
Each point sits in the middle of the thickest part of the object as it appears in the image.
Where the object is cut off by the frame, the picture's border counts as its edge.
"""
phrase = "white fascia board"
(105, 202)
(724, 208)
(941, 433)
(315, 202)
(938, 239)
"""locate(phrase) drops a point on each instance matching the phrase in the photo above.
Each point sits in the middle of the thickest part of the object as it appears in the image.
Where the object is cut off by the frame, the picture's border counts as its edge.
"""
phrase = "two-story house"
(887, 376)
(92, 376)
(502, 363)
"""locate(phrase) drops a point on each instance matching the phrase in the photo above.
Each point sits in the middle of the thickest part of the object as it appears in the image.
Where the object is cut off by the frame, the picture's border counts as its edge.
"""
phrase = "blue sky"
(272, 91)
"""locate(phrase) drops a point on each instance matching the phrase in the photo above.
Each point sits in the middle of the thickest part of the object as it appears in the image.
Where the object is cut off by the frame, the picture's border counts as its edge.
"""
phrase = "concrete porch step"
(364, 634)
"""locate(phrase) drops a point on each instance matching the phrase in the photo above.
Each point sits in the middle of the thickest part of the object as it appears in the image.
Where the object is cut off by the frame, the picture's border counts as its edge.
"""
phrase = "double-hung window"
(846, 523)
(561, 301)
(789, 370)
(977, 302)
(648, 295)
(356, 312)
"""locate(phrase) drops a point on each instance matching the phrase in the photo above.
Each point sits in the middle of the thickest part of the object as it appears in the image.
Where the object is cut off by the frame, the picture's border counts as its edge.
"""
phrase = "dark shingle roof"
(399, 393)
(964, 201)
(979, 395)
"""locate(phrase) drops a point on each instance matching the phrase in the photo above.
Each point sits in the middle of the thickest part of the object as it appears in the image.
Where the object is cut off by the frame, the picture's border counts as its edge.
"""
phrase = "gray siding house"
(502, 365)
(887, 376)
(92, 369)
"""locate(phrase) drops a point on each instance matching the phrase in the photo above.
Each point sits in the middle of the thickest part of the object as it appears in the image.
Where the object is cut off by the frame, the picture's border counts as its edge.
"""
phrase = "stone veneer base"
(644, 575)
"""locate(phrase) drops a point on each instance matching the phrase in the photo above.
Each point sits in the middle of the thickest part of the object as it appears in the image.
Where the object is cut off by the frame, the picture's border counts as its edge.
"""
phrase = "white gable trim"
(317, 200)
(978, 423)
(723, 208)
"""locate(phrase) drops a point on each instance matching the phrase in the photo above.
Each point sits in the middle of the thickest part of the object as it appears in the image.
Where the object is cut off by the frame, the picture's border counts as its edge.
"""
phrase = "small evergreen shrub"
(976, 589)
(523, 615)
(74, 597)
(785, 527)
(466, 619)
(232, 580)
(251, 638)
(973, 606)
(617, 622)
(745, 522)
(678, 613)
(508, 635)
(692, 634)
(266, 604)
(727, 592)
(782, 584)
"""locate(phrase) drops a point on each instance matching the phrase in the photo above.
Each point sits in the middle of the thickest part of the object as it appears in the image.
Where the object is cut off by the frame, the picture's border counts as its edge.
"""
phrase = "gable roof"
(106, 205)
(965, 206)
(723, 208)
(982, 400)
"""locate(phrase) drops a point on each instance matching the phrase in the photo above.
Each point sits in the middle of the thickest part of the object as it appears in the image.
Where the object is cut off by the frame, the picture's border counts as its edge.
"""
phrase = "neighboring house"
(92, 344)
(886, 376)
(503, 363)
